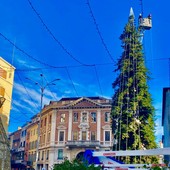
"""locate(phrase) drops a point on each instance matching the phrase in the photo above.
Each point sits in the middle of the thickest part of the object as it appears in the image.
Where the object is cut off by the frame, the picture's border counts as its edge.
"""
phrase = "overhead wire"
(98, 80)
(71, 81)
(15, 104)
(52, 35)
(99, 32)
(49, 87)
(26, 89)
(24, 52)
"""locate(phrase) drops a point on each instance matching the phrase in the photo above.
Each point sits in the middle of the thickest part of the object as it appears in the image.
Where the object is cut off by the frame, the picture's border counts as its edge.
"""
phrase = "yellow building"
(31, 142)
(6, 86)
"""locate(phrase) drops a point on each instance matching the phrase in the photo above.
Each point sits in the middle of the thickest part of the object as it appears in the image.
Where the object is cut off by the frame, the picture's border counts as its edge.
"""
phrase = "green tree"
(133, 114)
(75, 165)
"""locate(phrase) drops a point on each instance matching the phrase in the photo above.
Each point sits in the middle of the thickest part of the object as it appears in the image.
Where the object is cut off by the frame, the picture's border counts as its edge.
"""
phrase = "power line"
(71, 81)
(24, 52)
(98, 80)
(15, 104)
(71, 66)
(52, 35)
(26, 89)
(99, 33)
(74, 66)
(49, 87)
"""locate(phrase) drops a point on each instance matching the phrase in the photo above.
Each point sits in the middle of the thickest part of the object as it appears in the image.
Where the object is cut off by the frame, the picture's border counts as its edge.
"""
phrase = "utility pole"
(42, 88)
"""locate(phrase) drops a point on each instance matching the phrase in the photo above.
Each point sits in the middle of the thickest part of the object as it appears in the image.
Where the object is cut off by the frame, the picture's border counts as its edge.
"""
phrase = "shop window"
(60, 153)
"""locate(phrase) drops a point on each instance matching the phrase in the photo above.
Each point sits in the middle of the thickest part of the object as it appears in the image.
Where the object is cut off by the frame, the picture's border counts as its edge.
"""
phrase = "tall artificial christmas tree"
(132, 110)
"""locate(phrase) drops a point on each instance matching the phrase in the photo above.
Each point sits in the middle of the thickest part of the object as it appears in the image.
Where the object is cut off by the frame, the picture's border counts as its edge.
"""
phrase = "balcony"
(82, 143)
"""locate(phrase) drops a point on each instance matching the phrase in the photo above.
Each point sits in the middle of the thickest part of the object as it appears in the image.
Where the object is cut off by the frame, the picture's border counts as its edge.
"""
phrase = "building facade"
(166, 119)
(67, 128)
(16, 153)
(6, 86)
(72, 125)
(31, 142)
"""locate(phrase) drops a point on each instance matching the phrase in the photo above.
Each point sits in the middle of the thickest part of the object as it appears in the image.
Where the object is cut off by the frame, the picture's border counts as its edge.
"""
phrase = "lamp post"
(42, 88)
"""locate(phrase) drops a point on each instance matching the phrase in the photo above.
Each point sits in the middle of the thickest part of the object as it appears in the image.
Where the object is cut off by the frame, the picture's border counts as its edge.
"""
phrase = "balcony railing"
(82, 143)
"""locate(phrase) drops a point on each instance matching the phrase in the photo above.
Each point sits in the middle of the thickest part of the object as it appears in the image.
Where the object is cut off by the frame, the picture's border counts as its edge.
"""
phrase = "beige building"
(31, 142)
(72, 125)
(6, 86)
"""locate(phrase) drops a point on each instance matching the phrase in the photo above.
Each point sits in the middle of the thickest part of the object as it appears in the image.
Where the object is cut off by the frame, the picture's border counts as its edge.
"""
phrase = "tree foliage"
(75, 165)
(132, 110)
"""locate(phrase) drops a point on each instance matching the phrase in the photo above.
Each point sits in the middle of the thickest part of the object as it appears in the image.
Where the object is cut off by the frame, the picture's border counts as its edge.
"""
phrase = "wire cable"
(24, 52)
(26, 89)
(52, 35)
(49, 87)
(99, 32)
(98, 80)
(71, 81)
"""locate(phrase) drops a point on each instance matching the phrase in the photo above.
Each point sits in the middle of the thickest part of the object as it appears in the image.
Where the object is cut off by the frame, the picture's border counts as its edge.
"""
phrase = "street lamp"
(42, 88)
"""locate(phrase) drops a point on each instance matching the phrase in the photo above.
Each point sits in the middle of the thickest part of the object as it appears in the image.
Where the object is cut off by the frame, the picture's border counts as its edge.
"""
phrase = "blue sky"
(73, 49)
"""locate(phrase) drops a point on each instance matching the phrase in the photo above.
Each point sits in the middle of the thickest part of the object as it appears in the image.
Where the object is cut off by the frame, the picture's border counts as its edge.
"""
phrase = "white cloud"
(25, 63)
(25, 94)
(159, 130)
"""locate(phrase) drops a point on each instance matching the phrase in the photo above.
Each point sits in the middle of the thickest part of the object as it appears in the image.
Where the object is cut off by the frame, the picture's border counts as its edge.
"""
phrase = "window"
(107, 135)
(62, 118)
(32, 145)
(93, 116)
(75, 136)
(44, 139)
(84, 135)
(47, 154)
(42, 156)
(93, 136)
(50, 119)
(61, 136)
(48, 138)
(60, 153)
(45, 121)
(84, 117)
(3, 73)
(75, 117)
(38, 155)
(107, 117)
(41, 123)
(34, 156)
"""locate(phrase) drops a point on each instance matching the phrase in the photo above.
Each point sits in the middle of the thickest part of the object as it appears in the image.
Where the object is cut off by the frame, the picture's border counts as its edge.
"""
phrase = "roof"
(75, 98)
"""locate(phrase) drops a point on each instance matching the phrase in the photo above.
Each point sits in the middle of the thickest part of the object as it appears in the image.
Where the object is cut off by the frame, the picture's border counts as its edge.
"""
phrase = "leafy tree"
(75, 165)
(132, 111)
